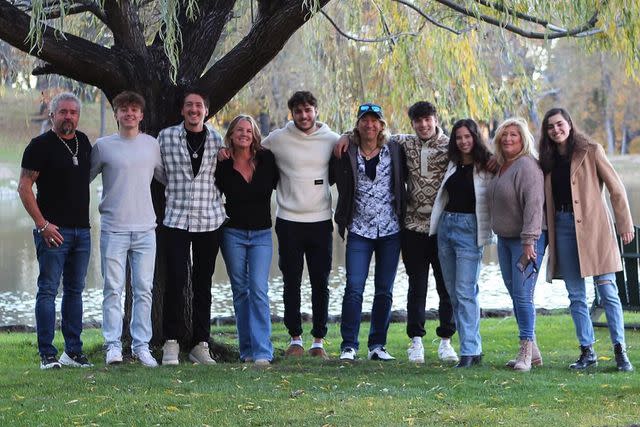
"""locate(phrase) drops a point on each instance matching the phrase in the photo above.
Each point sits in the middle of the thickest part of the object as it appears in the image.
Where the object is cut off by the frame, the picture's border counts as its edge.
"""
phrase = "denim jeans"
(568, 264)
(358, 258)
(247, 255)
(68, 261)
(460, 258)
(520, 284)
(419, 251)
(140, 249)
(297, 240)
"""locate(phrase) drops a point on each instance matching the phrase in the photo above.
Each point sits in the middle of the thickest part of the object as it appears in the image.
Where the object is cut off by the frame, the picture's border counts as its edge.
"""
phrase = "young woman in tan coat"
(581, 234)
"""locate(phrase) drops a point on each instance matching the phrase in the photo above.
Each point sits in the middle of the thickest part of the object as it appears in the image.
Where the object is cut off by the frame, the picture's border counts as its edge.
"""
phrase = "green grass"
(316, 393)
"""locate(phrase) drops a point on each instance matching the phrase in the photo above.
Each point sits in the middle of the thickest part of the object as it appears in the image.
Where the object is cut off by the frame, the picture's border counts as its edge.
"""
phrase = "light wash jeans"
(358, 258)
(68, 261)
(139, 248)
(247, 255)
(568, 264)
(460, 259)
(521, 284)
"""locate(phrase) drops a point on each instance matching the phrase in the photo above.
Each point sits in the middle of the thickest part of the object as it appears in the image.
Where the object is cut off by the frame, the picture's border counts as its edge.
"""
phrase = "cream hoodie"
(303, 162)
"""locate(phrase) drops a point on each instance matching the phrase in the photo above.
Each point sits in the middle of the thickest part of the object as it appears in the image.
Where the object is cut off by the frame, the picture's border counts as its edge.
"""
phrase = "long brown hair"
(548, 148)
(480, 151)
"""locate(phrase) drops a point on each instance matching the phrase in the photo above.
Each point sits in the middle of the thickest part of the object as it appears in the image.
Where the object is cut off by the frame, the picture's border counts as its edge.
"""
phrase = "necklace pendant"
(194, 155)
(74, 159)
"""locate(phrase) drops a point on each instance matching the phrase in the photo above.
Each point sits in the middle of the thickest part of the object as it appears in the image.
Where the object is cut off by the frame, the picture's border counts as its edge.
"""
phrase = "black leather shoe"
(587, 358)
(622, 361)
(469, 361)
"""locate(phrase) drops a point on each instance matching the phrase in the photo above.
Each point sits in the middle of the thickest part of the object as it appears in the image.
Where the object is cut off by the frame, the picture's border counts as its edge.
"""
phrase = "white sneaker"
(348, 354)
(416, 351)
(380, 353)
(200, 354)
(145, 357)
(446, 353)
(114, 355)
(170, 352)
(262, 363)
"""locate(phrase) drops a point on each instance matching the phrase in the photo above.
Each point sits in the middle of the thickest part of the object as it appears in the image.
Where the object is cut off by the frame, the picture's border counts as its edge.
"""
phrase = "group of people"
(433, 199)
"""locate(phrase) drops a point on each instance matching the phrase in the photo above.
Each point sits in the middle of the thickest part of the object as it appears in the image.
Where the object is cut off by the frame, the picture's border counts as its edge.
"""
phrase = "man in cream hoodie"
(302, 150)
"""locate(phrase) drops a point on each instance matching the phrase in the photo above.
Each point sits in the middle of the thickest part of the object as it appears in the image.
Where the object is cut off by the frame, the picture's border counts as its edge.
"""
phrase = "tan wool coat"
(597, 248)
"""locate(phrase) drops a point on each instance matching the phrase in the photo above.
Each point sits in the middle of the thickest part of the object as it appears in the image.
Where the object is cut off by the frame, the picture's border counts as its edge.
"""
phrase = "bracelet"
(44, 227)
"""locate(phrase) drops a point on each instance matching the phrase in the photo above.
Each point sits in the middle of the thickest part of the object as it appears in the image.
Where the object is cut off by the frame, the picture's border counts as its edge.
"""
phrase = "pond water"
(19, 270)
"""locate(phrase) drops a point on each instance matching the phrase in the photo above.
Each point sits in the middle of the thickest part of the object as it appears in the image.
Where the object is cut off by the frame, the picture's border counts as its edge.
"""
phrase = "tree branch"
(390, 37)
(558, 33)
(266, 38)
(65, 53)
(123, 20)
(500, 7)
(53, 8)
(201, 36)
(428, 17)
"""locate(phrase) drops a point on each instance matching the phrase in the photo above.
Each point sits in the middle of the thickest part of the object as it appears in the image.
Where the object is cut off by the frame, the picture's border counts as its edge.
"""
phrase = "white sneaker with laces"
(380, 353)
(114, 355)
(348, 354)
(145, 357)
(446, 353)
(200, 354)
(170, 352)
(416, 351)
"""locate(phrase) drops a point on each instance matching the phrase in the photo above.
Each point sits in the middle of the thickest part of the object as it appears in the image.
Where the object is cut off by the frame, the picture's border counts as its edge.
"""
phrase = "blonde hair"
(528, 141)
(383, 136)
(257, 136)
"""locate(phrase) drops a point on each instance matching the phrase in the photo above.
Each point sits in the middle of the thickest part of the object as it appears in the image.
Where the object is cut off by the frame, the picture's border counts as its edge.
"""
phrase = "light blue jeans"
(139, 248)
(247, 255)
(568, 264)
(358, 258)
(521, 284)
(68, 262)
(460, 259)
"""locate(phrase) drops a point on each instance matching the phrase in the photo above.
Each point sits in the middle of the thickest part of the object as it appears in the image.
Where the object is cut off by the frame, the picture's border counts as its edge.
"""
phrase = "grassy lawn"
(316, 393)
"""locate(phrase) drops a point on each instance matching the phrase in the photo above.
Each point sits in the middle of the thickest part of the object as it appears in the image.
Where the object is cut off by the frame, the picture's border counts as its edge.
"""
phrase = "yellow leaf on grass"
(172, 408)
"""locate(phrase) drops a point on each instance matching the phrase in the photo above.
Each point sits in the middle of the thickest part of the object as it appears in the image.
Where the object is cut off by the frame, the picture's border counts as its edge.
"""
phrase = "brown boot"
(523, 361)
(536, 357)
(294, 350)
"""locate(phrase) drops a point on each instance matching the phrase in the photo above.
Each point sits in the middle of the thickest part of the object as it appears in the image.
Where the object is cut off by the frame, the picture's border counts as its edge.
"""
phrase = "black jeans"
(419, 250)
(313, 241)
(204, 246)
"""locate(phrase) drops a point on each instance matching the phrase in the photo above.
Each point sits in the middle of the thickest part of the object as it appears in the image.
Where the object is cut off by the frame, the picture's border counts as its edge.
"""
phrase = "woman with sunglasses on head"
(371, 204)
(581, 232)
(460, 219)
(247, 180)
(516, 199)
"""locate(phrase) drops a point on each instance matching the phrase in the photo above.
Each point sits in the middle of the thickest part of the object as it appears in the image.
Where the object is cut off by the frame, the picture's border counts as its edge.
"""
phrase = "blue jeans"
(460, 259)
(68, 261)
(568, 264)
(247, 255)
(358, 258)
(115, 249)
(521, 284)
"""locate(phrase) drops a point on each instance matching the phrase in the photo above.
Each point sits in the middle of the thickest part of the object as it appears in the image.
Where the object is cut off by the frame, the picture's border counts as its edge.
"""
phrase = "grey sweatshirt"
(127, 167)
(516, 199)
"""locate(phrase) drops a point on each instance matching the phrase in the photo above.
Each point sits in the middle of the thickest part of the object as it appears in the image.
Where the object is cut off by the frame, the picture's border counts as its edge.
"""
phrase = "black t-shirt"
(462, 195)
(248, 204)
(561, 181)
(195, 144)
(62, 187)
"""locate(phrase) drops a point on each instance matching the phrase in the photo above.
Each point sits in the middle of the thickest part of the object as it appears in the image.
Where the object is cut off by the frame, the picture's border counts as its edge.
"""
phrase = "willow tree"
(156, 47)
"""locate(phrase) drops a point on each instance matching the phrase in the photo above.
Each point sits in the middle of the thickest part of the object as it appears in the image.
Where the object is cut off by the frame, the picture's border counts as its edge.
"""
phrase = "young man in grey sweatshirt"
(128, 161)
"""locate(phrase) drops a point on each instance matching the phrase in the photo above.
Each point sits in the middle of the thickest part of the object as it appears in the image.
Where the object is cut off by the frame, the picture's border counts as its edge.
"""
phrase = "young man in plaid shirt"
(194, 213)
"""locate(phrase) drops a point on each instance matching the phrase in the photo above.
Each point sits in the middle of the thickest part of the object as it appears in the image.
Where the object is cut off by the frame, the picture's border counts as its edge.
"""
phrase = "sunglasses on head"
(370, 107)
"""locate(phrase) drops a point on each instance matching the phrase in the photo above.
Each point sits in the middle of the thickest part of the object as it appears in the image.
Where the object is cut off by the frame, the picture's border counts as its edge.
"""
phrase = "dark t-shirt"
(248, 204)
(195, 144)
(462, 195)
(62, 188)
(561, 181)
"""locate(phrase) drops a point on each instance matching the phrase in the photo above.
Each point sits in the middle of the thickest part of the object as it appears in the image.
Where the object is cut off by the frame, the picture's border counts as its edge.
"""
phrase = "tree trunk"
(609, 125)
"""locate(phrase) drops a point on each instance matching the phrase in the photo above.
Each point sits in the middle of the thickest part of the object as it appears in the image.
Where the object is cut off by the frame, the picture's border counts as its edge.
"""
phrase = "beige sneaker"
(200, 354)
(170, 352)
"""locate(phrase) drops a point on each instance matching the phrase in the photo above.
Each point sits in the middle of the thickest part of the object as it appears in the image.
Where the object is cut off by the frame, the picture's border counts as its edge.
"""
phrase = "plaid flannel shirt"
(193, 203)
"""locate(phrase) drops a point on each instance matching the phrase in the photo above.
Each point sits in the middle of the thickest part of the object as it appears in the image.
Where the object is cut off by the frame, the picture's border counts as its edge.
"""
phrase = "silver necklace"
(74, 156)
(194, 154)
